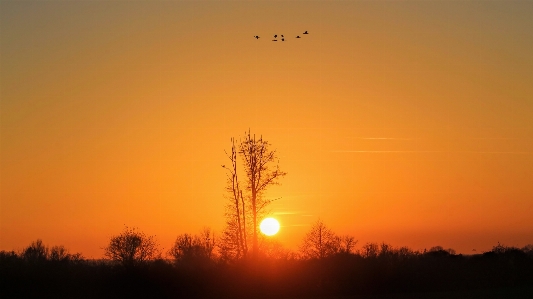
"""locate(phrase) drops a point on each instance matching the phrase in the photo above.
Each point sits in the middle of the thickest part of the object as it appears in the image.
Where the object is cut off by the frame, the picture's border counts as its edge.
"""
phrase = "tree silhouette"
(262, 170)
(132, 247)
(321, 242)
(61, 254)
(234, 239)
(378, 270)
(370, 250)
(58, 253)
(37, 252)
(258, 164)
(195, 249)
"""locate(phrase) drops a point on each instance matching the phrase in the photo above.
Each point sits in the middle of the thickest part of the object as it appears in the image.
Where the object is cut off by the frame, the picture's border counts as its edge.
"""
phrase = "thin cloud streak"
(286, 213)
(298, 225)
(470, 152)
(384, 138)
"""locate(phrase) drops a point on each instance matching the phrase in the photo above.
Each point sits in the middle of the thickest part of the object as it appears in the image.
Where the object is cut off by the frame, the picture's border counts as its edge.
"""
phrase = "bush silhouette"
(132, 248)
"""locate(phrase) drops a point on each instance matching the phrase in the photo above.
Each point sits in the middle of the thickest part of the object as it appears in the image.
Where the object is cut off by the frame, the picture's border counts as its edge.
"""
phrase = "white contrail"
(384, 138)
(495, 138)
(349, 151)
(468, 152)
(286, 213)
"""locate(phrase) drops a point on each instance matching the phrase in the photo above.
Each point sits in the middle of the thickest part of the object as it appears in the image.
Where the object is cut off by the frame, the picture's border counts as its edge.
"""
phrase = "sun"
(269, 226)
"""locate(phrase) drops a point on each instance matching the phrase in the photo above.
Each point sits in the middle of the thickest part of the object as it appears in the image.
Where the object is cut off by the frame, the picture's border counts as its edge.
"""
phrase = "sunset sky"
(409, 122)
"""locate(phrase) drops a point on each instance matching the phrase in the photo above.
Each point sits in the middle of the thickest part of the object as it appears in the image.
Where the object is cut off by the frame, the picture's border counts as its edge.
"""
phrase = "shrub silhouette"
(132, 248)
(196, 249)
(36, 252)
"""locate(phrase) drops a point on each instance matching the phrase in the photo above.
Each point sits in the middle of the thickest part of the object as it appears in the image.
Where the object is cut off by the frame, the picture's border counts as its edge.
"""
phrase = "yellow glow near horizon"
(269, 226)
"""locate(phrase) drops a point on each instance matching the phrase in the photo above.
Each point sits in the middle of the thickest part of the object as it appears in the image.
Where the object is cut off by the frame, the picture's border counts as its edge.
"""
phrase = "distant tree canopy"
(132, 247)
(385, 251)
(194, 249)
(377, 270)
(321, 242)
(37, 252)
(246, 202)
(439, 250)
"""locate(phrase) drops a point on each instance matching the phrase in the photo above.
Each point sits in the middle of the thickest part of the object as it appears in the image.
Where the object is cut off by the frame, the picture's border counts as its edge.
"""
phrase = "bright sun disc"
(269, 226)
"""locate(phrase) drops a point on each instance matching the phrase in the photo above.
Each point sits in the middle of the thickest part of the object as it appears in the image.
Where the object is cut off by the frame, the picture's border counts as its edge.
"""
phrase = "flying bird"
(282, 37)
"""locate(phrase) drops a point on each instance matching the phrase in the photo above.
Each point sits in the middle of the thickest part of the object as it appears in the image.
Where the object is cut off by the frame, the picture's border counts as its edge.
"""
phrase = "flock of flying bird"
(281, 37)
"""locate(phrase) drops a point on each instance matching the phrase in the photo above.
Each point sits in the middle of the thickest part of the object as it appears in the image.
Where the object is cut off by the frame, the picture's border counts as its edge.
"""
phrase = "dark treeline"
(242, 263)
(374, 270)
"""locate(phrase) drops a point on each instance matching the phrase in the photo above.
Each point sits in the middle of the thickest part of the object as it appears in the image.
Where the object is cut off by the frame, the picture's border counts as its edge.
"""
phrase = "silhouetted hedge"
(388, 271)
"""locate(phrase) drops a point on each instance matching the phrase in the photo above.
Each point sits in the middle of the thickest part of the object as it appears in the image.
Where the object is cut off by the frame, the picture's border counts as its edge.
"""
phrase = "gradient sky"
(409, 122)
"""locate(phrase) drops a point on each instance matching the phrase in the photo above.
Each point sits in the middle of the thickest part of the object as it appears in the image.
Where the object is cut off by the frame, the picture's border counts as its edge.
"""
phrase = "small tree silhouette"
(132, 247)
(370, 250)
(321, 242)
(37, 252)
(195, 249)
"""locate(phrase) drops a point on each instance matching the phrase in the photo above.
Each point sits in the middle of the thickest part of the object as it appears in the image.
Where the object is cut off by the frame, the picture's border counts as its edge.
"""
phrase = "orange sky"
(409, 122)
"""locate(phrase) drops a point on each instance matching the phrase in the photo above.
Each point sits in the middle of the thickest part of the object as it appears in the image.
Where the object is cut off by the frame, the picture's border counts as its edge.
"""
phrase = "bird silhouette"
(282, 37)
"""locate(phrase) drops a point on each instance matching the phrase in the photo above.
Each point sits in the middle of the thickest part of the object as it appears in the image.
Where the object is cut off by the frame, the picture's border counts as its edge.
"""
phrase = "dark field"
(384, 274)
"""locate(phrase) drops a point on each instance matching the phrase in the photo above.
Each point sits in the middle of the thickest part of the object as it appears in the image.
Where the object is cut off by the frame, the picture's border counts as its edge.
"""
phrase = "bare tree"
(347, 244)
(261, 173)
(229, 244)
(132, 247)
(234, 238)
(37, 252)
(320, 242)
(262, 170)
(61, 254)
(370, 250)
(58, 253)
(198, 248)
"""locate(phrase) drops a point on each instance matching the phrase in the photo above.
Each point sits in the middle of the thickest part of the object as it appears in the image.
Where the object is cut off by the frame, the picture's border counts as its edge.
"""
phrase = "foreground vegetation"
(374, 271)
